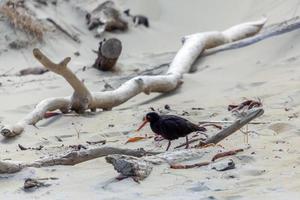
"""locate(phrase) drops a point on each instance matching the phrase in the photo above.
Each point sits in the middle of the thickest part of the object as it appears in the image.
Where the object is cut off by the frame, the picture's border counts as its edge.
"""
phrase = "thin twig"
(73, 37)
(230, 122)
(227, 153)
(22, 148)
(96, 142)
(189, 166)
(201, 164)
(6, 72)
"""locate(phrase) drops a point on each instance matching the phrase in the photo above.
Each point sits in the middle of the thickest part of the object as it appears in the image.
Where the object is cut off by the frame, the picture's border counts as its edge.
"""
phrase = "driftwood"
(33, 71)
(201, 164)
(270, 31)
(106, 17)
(252, 114)
(108, 54)
(30, 184)
(140, 168)
(59, 27)
(71, 158)
(83, 100)
(205, 163)
(227, 153)
(273, 30)
(245, 105)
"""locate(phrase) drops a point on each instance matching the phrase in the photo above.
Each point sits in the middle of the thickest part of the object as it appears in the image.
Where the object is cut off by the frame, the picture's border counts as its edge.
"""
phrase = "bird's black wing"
(186, 126)
(170, 129)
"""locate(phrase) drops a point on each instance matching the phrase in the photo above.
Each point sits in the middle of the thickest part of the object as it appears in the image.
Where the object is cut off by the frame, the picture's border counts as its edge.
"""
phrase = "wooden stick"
(234, 127)
(59, 27)
(217, 156)
(178, 166)
(227, 153)
(230, 122)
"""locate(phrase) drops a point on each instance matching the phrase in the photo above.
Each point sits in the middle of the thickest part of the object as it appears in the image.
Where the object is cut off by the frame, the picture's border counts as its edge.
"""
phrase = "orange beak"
(143, 124)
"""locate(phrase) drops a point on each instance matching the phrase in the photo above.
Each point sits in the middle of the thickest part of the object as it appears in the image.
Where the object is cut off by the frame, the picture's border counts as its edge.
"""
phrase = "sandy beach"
(267, 70)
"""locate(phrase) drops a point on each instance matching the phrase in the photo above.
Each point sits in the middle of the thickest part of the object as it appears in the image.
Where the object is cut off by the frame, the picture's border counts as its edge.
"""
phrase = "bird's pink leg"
(187, 142)
(169, 144)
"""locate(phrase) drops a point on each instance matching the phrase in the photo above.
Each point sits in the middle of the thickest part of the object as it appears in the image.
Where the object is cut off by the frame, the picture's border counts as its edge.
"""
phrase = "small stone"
(18, 44)
(77, 53)
(167, 107)
(223, 165)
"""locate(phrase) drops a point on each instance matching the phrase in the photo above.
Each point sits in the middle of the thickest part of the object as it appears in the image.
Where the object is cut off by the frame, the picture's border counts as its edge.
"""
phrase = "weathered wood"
(130, 166)
(108, 54)
(59, 27)
(33, 71)
(71, 158)
(106, 17)
(252, 114)
(267, 32)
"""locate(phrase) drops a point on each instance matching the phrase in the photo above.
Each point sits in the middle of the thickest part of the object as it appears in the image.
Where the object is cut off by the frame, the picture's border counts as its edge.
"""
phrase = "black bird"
(170, 127)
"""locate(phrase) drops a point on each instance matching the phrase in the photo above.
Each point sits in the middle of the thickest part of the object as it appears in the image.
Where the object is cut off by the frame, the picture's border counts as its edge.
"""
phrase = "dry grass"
(19, 18)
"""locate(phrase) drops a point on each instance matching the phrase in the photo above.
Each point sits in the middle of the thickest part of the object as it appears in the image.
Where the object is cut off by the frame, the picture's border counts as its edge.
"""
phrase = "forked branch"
(82, 99)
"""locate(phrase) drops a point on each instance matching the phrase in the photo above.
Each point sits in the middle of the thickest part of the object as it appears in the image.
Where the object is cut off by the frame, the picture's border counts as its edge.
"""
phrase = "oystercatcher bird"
(170, 127)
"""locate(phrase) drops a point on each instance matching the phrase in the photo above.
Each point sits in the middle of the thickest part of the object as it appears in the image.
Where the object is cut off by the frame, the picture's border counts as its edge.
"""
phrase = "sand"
(268, 70)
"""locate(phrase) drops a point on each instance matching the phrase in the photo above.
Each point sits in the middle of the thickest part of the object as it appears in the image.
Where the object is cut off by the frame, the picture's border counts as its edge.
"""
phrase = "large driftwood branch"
(71, 158)
(82, 99)
(274, 30)
(267, 32)
(140, 168)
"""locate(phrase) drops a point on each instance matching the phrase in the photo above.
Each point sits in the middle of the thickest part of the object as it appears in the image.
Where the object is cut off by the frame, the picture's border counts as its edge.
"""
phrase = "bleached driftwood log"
(140, 168)
(267, 32)
(82, 99)
(71, 158)
(270, 31)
